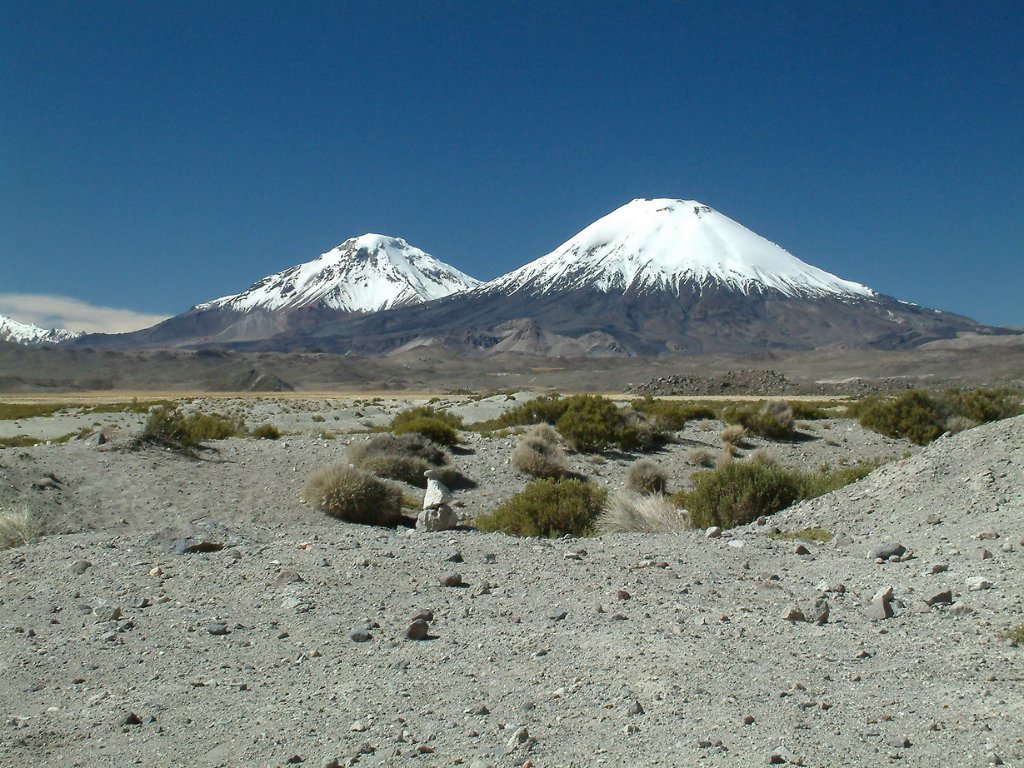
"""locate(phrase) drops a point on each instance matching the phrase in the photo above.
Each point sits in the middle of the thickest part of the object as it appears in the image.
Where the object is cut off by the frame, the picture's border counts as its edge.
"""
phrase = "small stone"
(939, 568)
(801, 549)
(360, 636)
(945, 597)
(128, 718)
(635, 708)
(436, 519)
(985, 554)
(558, 614)
(359, 727)
(713, 532)
(518, 738)
(217, 628)
(821, 612)
(794, 614)
(748, 719)
(451, 579)
(80, 566)
(887, 551)
(881, 605)
(296, 759)
(900, 742)
(425, 615)
(453, 556)
(105, 613)
(157, 571)
(287, 577)
(622, 595)
(418, 630)
(978, 583)
(989, 534)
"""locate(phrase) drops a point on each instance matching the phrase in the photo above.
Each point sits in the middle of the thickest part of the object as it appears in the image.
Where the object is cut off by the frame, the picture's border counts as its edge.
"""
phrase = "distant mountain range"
(652, 277)
(32, 335)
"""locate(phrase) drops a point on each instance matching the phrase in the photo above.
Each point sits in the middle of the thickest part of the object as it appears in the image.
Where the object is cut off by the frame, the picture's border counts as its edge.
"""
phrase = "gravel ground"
(188, 612)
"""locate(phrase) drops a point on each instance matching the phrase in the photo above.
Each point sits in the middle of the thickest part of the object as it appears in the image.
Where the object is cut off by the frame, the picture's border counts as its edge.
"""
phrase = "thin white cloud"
(49, 311)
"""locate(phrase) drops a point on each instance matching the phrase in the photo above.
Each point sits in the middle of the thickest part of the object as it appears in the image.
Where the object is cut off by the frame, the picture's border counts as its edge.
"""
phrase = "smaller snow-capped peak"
(663, 244)
(363, 274)
(31, 335)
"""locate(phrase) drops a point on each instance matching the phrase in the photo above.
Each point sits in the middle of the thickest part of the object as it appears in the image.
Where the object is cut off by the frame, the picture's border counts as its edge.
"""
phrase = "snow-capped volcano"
(663, 244)
(363, 274)
(26, 333)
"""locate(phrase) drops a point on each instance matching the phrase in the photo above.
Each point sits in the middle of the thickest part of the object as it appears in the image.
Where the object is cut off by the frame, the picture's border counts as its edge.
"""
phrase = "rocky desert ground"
(193, 611)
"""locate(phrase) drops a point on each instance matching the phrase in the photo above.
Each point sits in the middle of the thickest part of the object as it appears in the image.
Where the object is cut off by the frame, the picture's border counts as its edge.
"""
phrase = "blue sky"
(155, 155)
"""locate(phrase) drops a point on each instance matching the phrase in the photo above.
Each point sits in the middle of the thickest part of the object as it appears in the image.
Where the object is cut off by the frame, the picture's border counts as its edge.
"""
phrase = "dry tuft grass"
(646, 476)
(355, 496)
(641, 513)
(539, 454)
(732, 437)
(702, 457)
(16, 528)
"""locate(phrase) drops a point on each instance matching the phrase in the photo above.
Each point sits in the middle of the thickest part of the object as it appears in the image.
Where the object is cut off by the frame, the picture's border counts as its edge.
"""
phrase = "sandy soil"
(282, 639)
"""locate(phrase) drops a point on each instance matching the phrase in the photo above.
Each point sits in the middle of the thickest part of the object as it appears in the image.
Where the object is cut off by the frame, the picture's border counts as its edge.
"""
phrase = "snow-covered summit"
(26, 333)
(664, 244)
(363, 274)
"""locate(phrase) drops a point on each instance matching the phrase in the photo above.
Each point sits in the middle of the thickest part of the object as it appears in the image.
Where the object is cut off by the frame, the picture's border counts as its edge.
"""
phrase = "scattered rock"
(417, 630)
(79, 567)
(887, 551)
(945, 597)
(217, 628)
(881, 605)
(977, 583)
(713, 532)
(451, 579)
(435, 519)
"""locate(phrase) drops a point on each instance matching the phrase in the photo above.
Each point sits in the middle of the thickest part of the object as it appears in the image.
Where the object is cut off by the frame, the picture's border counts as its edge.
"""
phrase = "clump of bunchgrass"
(627, 512)
(16, 527)
(355, 496)
(437, 425)
(266, 432)
(646, 476)
(538, 454)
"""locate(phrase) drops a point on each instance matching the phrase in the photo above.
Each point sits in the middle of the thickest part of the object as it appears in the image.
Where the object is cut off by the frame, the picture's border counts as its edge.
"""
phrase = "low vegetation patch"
(809, 410)
(739, 492)
(1014, 634)
(627, 512)
(266, 432)
(16, 528)
(921, 417)
(15, 411)
(804, 534)
(672, 415)
(772, 421)
(355, 496)
(549, 508)
(173, 428)
(434, 424)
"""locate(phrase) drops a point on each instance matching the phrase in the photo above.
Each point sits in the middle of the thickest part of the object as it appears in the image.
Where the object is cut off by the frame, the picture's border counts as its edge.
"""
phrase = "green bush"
(806, 410)
(985, 405)
(548, 508)
(590, 423)
(546, 409)
(646, 476)
(402, 457)
(739, 493)
(913, 415)
(772, 421)
(672, 415)
(266, 432)
(437, 425)
(638, 432)
(170, 426)
(354, 496)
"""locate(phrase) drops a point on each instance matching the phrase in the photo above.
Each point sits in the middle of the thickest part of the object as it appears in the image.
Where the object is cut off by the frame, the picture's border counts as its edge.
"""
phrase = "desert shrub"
(702, 457)
(354, 496)
(732, 437)
(984, 405)
(538, 455)
(16, 528)
(672, 415)
(170, 426)
(913, 415)
(548, 508)
(1013, 635)
(739, 493)
(646, 476)
(437, 425)
(806, 410)
(638, 432)
(266, 432)
(772, 421)
(398, 457)
(804, 534)
(546, 409)
(590, 423)
(641, 513)
(827, 479)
